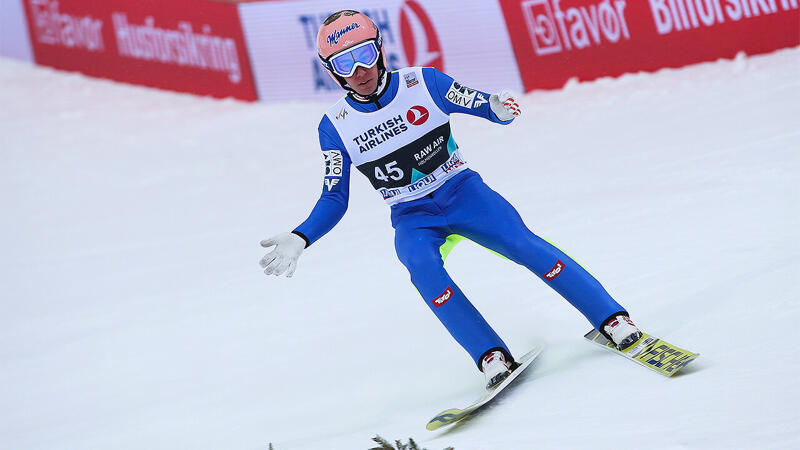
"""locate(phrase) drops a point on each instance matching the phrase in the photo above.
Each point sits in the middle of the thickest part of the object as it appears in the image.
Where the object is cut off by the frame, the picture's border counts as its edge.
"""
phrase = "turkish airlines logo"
(555, 271)
(420, 41)
(442, 299)
(417, 115)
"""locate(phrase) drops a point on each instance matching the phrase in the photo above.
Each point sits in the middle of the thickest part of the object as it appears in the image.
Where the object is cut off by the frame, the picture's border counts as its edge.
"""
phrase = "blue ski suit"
(401, 141)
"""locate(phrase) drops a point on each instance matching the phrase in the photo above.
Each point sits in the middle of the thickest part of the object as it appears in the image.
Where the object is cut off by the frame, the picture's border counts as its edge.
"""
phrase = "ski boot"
(496, 368)
(621, 330)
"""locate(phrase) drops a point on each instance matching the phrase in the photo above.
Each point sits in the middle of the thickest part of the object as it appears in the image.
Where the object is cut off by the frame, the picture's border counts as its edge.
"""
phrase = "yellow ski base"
(649, 351)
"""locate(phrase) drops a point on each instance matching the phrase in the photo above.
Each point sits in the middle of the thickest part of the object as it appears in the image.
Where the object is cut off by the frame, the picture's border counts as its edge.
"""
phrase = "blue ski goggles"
(346, 62)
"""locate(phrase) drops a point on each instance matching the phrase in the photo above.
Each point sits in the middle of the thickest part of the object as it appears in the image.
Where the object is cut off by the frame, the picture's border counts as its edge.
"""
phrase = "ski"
(451, 416)
(649, 351)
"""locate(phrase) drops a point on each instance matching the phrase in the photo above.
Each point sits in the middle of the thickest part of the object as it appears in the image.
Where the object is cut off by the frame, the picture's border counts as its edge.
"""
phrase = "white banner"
(465, 39)
(14, 38)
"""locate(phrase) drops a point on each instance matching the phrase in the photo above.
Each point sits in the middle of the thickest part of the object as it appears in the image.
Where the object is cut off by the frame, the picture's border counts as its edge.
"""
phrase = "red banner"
(188, 45)
(555, 40)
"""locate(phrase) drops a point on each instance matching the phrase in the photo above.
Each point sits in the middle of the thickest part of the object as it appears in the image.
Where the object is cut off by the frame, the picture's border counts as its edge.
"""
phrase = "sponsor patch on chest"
(378, 134)
(411, 79)
(433, 146)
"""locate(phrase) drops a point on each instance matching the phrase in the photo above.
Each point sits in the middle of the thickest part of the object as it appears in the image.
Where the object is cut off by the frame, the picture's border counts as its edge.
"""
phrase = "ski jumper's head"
(351, 50)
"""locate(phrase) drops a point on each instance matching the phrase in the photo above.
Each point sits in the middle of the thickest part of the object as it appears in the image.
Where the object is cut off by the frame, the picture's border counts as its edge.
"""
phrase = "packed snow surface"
(135, 315)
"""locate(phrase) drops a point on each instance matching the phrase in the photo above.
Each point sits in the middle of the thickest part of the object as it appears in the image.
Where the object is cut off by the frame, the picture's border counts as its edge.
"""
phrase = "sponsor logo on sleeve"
(460, 95)
(479, 100)
(417, 115)
(442, 299)
(333, 170)
(333, 163)
(332, 184)
(555, 271)
(411, 79)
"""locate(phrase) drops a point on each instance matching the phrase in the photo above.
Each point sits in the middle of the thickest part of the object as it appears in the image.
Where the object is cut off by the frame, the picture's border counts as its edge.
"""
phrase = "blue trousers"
(467, 207)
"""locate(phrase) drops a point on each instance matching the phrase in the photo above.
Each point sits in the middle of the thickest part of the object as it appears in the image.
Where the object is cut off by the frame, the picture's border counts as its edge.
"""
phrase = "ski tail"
(649, 351)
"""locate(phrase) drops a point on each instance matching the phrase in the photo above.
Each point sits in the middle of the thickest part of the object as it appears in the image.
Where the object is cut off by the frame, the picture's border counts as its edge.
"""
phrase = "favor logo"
(553, 30)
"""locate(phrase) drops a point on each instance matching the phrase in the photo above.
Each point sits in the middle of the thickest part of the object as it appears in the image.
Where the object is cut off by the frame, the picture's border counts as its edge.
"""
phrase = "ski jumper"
(402, 143)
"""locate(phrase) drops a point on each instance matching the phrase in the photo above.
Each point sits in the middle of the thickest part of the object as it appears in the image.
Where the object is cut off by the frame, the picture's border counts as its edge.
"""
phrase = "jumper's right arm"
(330, 207)
(332, 203)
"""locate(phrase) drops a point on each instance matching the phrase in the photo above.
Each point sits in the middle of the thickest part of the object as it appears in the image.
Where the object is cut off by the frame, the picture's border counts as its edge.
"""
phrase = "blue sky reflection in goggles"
(345, 63)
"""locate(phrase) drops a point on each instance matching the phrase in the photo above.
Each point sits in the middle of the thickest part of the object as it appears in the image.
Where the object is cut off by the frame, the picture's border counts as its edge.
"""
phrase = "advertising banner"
(555, 40)
(188, 45)
(467, 40)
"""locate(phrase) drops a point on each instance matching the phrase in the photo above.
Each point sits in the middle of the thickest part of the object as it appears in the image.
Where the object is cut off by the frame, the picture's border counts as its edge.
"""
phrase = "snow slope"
(135, 316)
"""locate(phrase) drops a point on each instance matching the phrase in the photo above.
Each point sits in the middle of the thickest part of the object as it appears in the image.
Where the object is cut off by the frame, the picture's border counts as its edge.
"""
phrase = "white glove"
(288, 247)
(504, 106)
